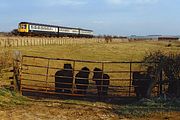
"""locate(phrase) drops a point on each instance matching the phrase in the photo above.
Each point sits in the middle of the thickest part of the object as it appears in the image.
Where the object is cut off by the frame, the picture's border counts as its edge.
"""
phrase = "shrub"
(169, 65)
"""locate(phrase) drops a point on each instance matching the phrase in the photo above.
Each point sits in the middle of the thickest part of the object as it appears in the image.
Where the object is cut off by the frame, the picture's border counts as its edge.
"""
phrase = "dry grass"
(122, 51)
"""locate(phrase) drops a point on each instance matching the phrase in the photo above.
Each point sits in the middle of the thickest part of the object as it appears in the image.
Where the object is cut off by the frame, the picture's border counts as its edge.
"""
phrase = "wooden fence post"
(5, 43)
(130, 77)
(73, 84)
(161, 83)
(17, 59)
(17, 42)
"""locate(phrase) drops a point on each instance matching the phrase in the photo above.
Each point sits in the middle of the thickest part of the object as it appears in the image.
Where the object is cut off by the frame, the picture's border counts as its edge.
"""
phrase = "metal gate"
(45, 75)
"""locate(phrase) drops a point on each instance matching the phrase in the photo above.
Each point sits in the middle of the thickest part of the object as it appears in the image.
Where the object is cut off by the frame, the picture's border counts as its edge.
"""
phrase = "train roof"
(53, 26)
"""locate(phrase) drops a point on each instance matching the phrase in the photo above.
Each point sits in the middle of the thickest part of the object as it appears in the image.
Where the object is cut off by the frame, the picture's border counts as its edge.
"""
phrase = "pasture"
(115, 51)
(127, 52)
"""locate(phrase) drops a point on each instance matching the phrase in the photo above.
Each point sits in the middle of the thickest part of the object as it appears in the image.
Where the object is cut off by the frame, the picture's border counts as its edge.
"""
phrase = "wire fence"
(43, 41)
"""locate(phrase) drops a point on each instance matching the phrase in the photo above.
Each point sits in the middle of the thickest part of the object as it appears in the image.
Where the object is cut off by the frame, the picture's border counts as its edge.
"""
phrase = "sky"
(110, 17)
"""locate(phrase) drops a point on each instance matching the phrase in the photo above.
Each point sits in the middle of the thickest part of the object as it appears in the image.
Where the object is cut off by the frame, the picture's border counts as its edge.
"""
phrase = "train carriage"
(84, 32)
(35, 29)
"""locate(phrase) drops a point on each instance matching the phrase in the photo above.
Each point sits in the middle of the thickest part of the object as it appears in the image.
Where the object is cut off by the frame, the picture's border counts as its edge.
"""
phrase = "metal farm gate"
(45, 76)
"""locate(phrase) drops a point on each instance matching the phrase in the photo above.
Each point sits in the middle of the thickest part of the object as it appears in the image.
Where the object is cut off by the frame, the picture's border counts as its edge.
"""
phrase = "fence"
(109, 79)
(37, 41)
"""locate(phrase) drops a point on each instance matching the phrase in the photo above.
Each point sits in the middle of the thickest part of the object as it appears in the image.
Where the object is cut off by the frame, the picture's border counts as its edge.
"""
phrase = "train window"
(32, 26)
(23, 26)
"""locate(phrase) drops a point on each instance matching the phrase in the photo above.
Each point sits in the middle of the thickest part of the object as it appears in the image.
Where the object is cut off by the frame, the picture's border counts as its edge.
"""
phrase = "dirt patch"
(60, 110)
(57, 111)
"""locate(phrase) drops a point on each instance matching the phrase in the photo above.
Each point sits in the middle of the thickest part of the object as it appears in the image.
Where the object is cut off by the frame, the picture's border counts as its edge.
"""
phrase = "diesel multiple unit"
(35, 29)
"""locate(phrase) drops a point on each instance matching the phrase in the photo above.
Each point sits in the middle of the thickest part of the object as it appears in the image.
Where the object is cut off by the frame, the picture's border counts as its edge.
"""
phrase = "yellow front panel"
(27, 27)
(23, 28)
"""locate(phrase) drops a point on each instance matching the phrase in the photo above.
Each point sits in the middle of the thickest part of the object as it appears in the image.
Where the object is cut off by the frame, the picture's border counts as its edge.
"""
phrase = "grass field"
(122, 51)
(127, 51)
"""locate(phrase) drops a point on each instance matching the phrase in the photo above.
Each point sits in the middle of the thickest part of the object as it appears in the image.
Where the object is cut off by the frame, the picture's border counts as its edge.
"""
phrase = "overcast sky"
(115, 17)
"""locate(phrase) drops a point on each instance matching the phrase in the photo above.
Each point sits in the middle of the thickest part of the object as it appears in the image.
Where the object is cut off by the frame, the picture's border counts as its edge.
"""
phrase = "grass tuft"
(146, 107)
(10, 98)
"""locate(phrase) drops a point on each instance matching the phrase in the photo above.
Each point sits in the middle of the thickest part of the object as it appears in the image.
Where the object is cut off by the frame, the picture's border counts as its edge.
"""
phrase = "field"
(114, 51)
(122, 51)
(78, 109)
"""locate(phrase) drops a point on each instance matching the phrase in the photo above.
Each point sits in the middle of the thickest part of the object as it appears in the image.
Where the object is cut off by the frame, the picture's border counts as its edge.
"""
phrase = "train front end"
(23, 28)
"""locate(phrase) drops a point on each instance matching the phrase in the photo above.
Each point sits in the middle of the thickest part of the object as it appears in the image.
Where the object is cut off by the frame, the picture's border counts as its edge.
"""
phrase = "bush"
(167, 65)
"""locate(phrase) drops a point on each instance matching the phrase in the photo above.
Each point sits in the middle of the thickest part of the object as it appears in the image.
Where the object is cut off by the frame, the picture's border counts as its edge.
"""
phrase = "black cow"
(64, 79)
(102, 81)
(82, 80)
(141, 84)
(173, 88)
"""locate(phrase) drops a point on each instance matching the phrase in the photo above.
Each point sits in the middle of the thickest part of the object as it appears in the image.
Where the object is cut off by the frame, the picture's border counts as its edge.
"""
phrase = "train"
(36, 29)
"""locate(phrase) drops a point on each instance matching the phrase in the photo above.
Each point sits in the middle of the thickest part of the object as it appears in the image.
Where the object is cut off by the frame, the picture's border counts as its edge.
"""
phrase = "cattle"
(102, 81)
(141, 82)
(82, 80)
(64, 79)
(173, 88)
